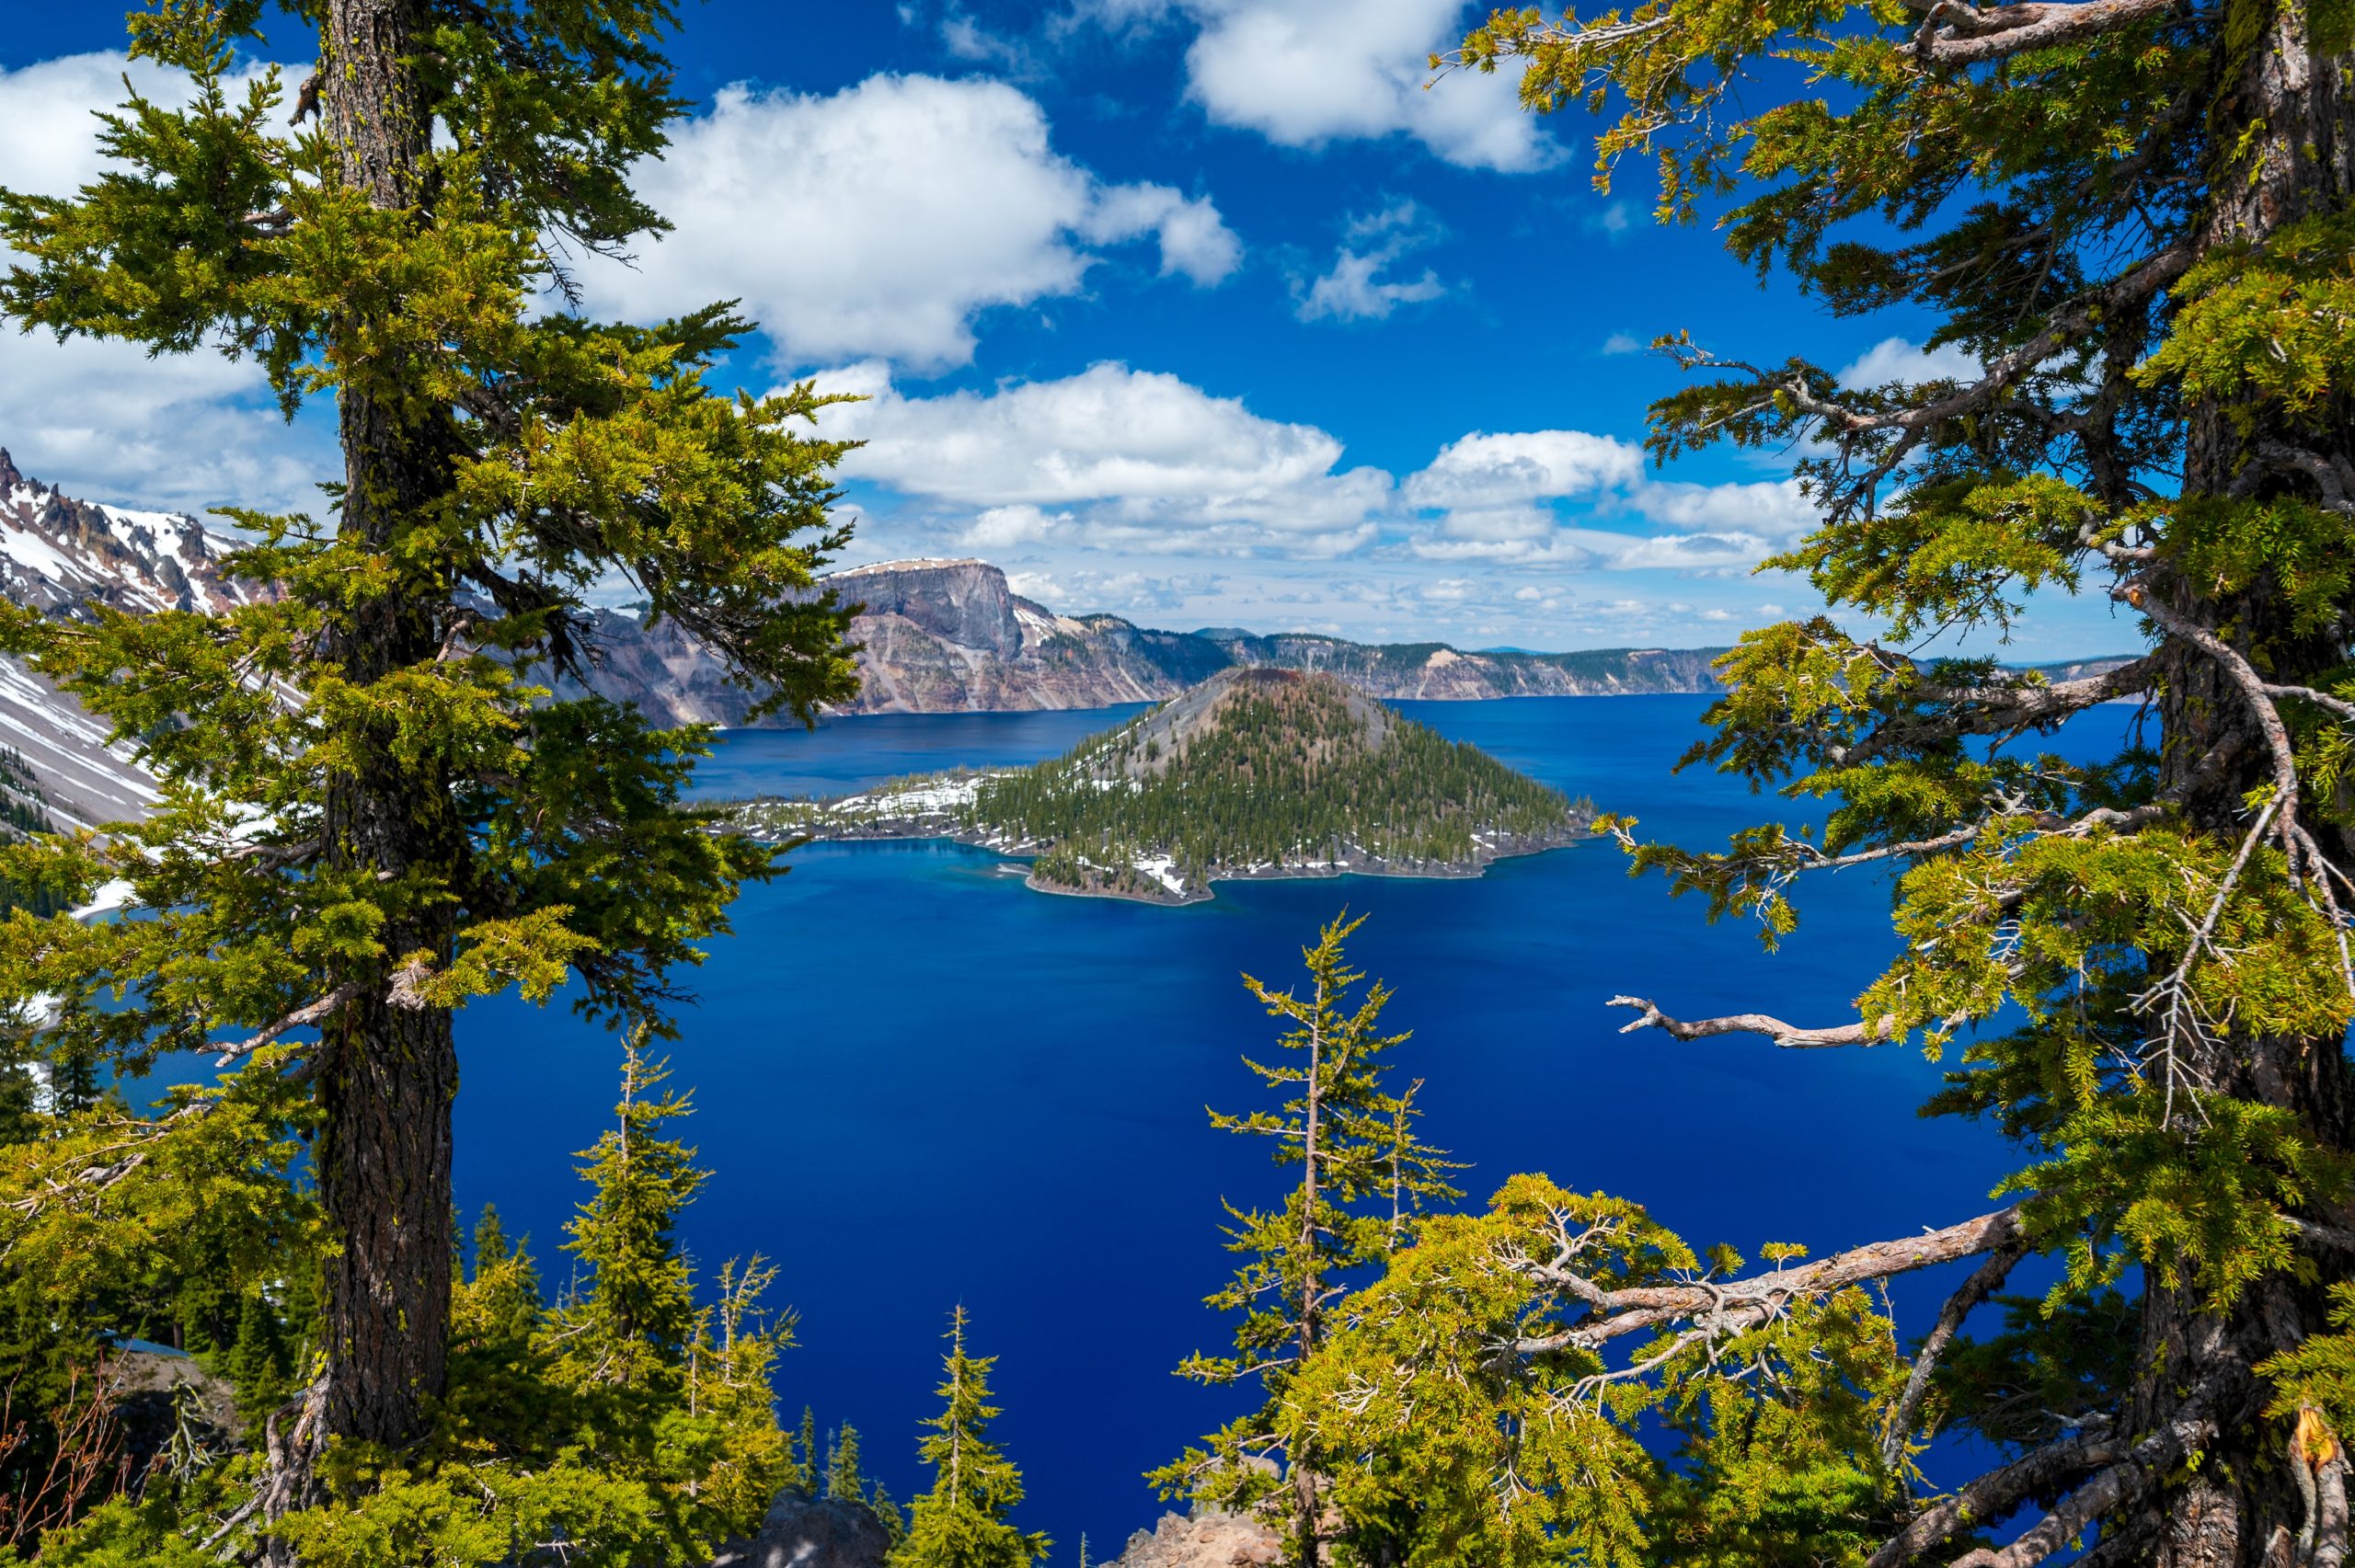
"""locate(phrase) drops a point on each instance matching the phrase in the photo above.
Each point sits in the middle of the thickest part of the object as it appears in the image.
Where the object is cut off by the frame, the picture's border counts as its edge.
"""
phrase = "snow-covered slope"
(63, 556)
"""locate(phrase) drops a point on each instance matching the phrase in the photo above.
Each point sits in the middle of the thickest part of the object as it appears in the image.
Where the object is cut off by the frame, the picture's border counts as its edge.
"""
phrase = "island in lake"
(1253, 773)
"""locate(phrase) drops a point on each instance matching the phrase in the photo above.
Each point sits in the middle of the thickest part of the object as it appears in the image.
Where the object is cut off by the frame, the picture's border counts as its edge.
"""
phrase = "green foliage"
(843, 1482)
(1364, 1178)
(370, 805)
(631, 1322)
(1443, 1445)
(961, 1521)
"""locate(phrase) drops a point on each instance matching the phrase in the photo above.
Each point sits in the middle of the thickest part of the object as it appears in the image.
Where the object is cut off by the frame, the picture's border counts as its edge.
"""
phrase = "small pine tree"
(629, 1325)
(844, 1484)
(1363, 1176)
(500, 1302)
(260, 1361)
(961, 1522)
(807, 1452)
(886, 1510)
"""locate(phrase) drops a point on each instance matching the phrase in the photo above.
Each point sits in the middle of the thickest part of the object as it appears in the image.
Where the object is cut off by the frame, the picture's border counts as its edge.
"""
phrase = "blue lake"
(919, 1083)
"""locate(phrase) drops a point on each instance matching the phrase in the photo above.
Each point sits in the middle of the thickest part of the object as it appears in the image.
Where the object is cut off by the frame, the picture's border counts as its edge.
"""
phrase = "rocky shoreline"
(780, 820)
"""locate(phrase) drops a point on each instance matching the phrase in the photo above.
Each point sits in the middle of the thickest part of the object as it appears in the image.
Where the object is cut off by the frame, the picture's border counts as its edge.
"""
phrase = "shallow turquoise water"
(920, 1083)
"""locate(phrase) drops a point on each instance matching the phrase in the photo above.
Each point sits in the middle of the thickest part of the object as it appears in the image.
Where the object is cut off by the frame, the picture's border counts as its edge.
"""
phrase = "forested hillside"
(1260, 770)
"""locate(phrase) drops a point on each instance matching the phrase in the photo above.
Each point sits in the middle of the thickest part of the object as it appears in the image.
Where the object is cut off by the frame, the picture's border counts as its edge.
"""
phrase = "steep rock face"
(952, 636)
(965, 602)
(61, 555)
(64, 557)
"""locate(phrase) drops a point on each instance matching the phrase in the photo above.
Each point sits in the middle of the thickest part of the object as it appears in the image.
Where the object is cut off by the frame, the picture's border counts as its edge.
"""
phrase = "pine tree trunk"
(2284, 123)
(388, 1067)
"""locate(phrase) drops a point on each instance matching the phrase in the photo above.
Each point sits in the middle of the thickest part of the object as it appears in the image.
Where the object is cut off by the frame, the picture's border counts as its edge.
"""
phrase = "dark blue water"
(920, 1083)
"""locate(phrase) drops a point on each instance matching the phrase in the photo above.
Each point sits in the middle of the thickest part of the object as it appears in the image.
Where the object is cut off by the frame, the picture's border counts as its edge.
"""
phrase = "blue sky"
(1204, 311)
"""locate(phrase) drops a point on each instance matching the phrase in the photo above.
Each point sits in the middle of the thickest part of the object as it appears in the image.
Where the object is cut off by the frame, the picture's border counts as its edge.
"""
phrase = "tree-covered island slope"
(1253, 774)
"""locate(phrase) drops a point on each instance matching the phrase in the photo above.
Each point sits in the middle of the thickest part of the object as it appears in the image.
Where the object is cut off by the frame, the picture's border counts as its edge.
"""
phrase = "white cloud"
(1481, 471)
(1354, 289)
(1622, 343)
(1195, 241)
(1147, 463)
(1144, 461)
(1897, 360)
(1304, 73)
(1121, 593)
(882, 218)
(1500, 497)
(102, 419)
(1003, 527)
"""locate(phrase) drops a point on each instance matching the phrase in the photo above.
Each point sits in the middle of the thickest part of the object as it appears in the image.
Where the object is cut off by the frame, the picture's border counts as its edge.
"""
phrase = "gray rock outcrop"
(810, 1532)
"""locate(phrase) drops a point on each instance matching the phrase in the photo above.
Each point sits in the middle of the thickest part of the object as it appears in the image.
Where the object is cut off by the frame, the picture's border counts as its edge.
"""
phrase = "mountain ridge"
(951, 636)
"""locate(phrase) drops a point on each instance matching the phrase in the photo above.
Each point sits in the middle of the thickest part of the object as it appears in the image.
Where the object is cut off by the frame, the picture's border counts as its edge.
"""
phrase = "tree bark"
(2283, 124)
(387, 1068)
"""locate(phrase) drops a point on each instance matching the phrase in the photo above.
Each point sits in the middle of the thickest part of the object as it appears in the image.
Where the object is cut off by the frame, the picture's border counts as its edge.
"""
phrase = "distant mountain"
(939, 636)
(952, 636)
(65, 556)
(1253, 774)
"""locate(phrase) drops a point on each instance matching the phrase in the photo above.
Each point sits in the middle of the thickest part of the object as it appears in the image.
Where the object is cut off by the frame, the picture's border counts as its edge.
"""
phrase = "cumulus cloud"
(1121, 593)
(1907, 364)
(1536, 498)
(1354, 287)
(102, 419)
(882, 218)
(1304, 73)
(1138, 459)
(1135, 461)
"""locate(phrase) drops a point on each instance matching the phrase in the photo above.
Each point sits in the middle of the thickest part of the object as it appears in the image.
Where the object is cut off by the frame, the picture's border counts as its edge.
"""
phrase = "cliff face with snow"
(64, 556)
(952, 636)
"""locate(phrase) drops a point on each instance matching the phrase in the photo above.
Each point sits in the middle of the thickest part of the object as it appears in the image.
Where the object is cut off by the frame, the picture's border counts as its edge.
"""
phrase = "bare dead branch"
(301, 1017)
(1790, 1037)
(2143, 1467)
(1732, 1306)
(1954, 34)
(1984, 1281)
(1993, 1494)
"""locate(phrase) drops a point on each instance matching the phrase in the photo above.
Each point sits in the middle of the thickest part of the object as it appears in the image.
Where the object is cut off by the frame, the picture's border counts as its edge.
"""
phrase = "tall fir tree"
(369, 813)
(2128, 223)
(961, 1522)
(1363, 1173)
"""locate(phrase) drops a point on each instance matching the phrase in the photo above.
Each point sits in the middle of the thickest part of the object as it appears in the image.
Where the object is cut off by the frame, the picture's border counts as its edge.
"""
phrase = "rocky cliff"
(952, 636)
(64, 556)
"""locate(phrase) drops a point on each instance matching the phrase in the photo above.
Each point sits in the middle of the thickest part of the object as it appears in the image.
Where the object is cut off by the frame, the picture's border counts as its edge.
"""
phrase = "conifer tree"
(631, 1322)
(961, 1522)
(844, 1484)
(806, 1450)
(1362, 1172)
(369, 816)
(502, 1298)
(2129, 223)
(887, 1510)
